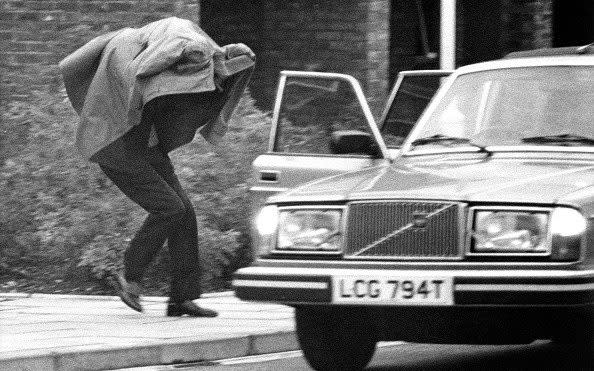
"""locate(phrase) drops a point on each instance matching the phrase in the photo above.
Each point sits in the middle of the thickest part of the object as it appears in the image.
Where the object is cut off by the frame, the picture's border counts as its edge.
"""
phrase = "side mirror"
(355, 142)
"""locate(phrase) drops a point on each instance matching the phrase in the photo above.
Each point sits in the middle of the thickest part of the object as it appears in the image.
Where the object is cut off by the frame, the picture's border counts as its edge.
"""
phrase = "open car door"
(321, 126)
(412, 92)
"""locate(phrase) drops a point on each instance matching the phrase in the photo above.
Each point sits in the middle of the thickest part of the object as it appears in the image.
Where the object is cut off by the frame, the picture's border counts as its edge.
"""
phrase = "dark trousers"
(147, 177)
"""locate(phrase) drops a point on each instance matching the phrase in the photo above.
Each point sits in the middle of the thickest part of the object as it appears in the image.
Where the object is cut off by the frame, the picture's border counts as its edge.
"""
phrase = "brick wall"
(36, 34)
(489, 30)
(370, 39)
(376, 32)
(349, 36)
(408, 50)
(485, 30)
(528, 24)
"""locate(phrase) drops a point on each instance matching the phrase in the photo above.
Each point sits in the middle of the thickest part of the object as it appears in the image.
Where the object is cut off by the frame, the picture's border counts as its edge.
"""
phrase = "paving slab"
(78, 332)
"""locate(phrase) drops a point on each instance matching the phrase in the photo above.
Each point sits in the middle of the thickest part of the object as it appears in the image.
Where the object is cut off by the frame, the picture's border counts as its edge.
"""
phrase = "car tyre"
(333, 339)
(578, 337)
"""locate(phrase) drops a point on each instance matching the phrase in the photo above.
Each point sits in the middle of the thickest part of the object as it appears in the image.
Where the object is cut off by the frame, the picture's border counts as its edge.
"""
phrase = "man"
(140, 94)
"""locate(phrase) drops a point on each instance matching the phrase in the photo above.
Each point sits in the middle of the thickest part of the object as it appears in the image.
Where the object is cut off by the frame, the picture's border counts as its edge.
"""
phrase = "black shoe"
(188, 307)
(129, 292)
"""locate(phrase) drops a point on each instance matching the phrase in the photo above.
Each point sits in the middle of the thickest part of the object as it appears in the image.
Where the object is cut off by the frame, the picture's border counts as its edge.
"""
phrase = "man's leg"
(142, 184)
(183, 249)
(182, 239)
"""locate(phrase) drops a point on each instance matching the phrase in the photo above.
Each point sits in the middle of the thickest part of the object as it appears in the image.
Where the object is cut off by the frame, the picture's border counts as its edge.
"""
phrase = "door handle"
(268, 176)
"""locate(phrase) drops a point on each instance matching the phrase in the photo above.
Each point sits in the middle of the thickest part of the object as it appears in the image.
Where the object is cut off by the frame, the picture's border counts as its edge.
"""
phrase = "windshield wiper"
(561, 139)
(446, 139)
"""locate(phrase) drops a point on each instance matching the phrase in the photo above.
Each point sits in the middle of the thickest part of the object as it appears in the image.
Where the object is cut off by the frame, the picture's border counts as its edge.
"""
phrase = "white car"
(472, 224)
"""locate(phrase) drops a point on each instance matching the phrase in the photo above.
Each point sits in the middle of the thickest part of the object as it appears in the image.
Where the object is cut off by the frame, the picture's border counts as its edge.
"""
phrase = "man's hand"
(235, 50)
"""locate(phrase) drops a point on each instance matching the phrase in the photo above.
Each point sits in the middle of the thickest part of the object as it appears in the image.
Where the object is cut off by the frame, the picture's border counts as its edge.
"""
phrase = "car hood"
(493, 180)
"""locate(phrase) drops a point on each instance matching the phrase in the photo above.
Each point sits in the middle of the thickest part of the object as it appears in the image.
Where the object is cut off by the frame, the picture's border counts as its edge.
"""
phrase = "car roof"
(567, 56)
(549, 52)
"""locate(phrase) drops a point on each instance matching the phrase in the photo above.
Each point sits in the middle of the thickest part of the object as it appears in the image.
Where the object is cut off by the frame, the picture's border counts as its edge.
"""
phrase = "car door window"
(311, 110)
(410, 96)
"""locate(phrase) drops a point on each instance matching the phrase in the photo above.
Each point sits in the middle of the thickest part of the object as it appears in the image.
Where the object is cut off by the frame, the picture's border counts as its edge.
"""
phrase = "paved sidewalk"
(70, 332)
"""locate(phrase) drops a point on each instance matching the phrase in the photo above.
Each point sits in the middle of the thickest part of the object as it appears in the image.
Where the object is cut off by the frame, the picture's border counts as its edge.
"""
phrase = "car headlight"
(510, 231)
(316, 230)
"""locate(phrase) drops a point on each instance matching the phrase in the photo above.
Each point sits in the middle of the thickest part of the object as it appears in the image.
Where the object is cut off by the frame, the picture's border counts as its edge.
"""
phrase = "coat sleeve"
(78, 68)
(234, 59)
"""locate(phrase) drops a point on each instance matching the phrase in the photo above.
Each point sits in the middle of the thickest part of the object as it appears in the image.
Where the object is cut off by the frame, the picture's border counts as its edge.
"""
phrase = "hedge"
(56, 207)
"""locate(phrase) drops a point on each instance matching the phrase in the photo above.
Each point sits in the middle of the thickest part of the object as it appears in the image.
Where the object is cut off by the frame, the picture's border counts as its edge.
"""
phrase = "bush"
(56, 207)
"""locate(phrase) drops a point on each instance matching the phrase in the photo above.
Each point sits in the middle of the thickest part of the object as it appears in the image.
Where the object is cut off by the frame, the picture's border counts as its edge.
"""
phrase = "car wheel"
(578, 337)
(334, 339)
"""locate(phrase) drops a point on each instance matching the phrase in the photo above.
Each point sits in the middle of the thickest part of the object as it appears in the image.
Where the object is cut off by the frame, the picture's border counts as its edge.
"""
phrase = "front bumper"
(298, 286)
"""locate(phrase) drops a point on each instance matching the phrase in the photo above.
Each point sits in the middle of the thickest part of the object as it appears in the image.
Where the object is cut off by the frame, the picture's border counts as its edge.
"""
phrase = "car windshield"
(536, 106)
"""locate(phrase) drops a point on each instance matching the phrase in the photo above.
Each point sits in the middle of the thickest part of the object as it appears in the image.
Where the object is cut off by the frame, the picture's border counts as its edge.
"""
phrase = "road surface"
(539, 356)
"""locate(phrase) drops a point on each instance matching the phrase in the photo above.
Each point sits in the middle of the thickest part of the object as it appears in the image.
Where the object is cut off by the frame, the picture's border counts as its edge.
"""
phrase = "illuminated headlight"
(510, 231)
(567, 228)
(266, 224)
(567, 222)
(310, 230)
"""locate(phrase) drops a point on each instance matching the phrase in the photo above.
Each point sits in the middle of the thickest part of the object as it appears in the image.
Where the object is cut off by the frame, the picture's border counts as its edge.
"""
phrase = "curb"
(152, 353)
(158, 299)
(171, 352)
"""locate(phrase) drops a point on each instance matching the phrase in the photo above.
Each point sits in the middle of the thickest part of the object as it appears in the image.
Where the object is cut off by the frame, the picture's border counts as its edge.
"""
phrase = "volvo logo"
(420, 219)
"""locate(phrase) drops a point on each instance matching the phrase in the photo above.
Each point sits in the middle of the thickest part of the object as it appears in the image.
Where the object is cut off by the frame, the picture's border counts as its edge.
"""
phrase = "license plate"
(396, 290)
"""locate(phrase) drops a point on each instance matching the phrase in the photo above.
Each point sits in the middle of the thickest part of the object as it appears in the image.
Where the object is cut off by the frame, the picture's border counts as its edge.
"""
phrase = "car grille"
(403, 230)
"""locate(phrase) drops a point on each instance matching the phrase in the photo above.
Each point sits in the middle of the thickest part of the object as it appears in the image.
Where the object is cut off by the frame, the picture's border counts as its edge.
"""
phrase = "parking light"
(567, 222)
(267, 220)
